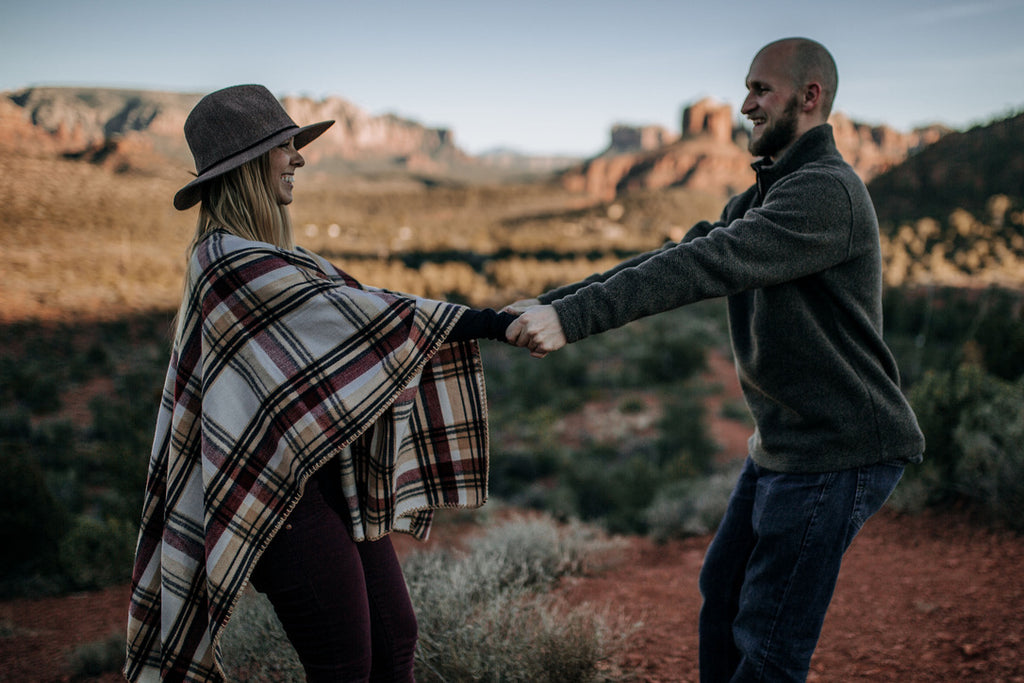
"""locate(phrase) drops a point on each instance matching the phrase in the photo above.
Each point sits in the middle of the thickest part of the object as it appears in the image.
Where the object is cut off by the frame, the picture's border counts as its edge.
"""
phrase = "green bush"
(98, 553)
(942, 327)
(615, 492)
(31, 521)
(973, 424)
(99, 657)
(54, 443)
(684, 446)
(15, 426)
(34, 384)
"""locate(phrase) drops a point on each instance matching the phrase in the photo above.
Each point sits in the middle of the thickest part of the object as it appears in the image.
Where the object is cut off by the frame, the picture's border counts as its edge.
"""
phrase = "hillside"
(953, 212)
(89, 231)
(81, 120)
(961, 170)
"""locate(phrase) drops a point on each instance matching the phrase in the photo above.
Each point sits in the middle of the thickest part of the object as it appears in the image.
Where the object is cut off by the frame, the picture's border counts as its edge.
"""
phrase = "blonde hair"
(241, 202)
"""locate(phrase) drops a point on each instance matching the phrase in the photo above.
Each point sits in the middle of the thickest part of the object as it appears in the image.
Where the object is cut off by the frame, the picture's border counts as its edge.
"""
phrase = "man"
(798, 257)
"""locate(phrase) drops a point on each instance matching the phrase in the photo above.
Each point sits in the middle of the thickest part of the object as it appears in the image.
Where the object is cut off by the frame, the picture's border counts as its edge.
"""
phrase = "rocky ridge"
(83, 122)
(711, 153)
(140, 130)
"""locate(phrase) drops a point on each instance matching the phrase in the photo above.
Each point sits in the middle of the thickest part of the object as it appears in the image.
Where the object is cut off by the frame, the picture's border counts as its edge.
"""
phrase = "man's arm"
(698, 230)
(802, 228)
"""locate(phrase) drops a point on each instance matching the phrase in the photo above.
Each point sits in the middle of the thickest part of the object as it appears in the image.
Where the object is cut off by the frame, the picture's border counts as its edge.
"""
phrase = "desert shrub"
(31, 521)
(737, 411)
(973, 424)
(684, 446)
(691, 507)
(481, 613)
(97, 553)
(942, 327)
(15, 425)
(613, 492)
(672, 350)
(67, 489)
(94, 361)
(481, 617)
(98, 657)
(53, 443)
(516, 381)
(512, 472)
(121, 435)
(254, 645)
(1000, 334)
(612, 483)
(33, 384)
(651, 360)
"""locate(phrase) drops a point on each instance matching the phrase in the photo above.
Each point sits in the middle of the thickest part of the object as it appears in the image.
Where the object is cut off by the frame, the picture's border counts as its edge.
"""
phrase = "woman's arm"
(481, 324)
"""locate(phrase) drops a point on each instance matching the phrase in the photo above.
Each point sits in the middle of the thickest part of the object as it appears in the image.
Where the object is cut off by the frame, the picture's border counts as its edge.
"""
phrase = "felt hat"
(232, 126)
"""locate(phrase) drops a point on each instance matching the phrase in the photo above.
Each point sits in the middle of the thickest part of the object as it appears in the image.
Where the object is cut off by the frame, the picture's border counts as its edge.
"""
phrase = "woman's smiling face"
(284, 159)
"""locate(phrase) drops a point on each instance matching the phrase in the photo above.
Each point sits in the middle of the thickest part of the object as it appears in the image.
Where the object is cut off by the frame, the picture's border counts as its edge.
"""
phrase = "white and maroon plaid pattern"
(282, 363)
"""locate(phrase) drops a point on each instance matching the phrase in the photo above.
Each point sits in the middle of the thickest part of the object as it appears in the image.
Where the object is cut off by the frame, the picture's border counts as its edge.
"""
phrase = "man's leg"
(802, 524)
(721, 578)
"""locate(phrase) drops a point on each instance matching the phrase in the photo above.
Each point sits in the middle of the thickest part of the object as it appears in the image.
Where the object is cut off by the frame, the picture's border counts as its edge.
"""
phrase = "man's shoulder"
(829, 172)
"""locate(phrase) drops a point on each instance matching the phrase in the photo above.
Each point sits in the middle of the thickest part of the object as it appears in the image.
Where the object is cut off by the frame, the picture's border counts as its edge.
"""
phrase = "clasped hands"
(537, 328)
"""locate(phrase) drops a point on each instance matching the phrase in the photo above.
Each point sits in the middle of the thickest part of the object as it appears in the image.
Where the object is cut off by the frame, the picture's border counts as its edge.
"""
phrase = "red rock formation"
(705, 157)
(711, 155)
(708, 117)
(872, 150)
(84, 120)
(626, 138)
(18, 134)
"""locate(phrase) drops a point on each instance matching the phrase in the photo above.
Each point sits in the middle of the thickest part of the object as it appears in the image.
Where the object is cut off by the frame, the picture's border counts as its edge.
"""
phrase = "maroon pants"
(344, 605)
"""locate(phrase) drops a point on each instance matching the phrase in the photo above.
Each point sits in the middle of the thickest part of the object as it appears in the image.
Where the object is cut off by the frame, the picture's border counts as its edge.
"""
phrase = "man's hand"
(521, 305)
(539, 330)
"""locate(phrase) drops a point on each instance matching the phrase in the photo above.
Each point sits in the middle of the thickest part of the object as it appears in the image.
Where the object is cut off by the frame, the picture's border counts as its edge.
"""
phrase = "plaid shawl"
(281, 363)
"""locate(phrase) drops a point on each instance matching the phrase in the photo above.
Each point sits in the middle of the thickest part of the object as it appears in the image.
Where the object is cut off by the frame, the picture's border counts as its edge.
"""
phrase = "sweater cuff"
(569, 320)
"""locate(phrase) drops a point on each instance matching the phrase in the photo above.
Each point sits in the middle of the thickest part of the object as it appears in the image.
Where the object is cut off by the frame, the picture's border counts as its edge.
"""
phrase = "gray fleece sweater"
(797, 255)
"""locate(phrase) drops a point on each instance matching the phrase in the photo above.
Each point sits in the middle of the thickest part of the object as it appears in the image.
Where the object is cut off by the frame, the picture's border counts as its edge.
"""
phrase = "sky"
(541, 77)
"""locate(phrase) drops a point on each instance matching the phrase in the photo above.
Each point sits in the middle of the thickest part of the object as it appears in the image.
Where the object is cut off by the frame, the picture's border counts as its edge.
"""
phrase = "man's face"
(772, 105)
(777, 133)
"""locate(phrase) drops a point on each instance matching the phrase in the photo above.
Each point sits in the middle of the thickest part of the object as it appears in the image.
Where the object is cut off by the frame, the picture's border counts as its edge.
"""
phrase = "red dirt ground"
(920, 599)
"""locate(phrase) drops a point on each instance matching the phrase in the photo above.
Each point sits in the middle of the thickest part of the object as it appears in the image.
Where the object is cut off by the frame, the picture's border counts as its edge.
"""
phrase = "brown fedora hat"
(232, 126)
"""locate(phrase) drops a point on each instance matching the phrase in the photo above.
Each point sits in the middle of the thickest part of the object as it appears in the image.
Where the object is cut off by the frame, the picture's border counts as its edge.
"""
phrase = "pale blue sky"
(539, 76)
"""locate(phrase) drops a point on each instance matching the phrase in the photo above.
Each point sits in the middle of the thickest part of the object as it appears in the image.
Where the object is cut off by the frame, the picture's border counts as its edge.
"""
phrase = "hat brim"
(190, 195)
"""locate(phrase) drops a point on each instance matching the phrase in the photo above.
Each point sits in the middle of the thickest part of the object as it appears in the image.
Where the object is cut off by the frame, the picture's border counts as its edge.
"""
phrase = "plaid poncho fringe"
(283, 362)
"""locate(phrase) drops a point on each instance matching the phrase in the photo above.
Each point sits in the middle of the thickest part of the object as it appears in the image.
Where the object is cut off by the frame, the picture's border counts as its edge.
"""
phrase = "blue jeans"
(770, 571)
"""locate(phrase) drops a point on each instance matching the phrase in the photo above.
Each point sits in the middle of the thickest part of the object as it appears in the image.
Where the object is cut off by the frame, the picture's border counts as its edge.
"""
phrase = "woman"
(303, 419)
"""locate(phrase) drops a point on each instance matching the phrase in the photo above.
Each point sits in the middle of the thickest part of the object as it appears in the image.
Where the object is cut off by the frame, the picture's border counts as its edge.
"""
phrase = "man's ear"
(811, 97)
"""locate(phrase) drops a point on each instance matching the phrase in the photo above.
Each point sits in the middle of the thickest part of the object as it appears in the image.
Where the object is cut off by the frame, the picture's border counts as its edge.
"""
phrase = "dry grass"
(83, 242)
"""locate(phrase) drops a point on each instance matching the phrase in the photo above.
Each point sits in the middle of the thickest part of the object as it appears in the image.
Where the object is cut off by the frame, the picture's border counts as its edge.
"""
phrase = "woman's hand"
(537, 329)
(521, 305)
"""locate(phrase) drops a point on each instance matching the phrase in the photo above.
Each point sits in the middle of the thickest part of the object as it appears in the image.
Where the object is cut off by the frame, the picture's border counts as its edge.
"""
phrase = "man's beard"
(778, 135)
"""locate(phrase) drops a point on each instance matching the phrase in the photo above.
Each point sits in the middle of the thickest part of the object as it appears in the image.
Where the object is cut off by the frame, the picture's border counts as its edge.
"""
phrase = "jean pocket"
(875, 484)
